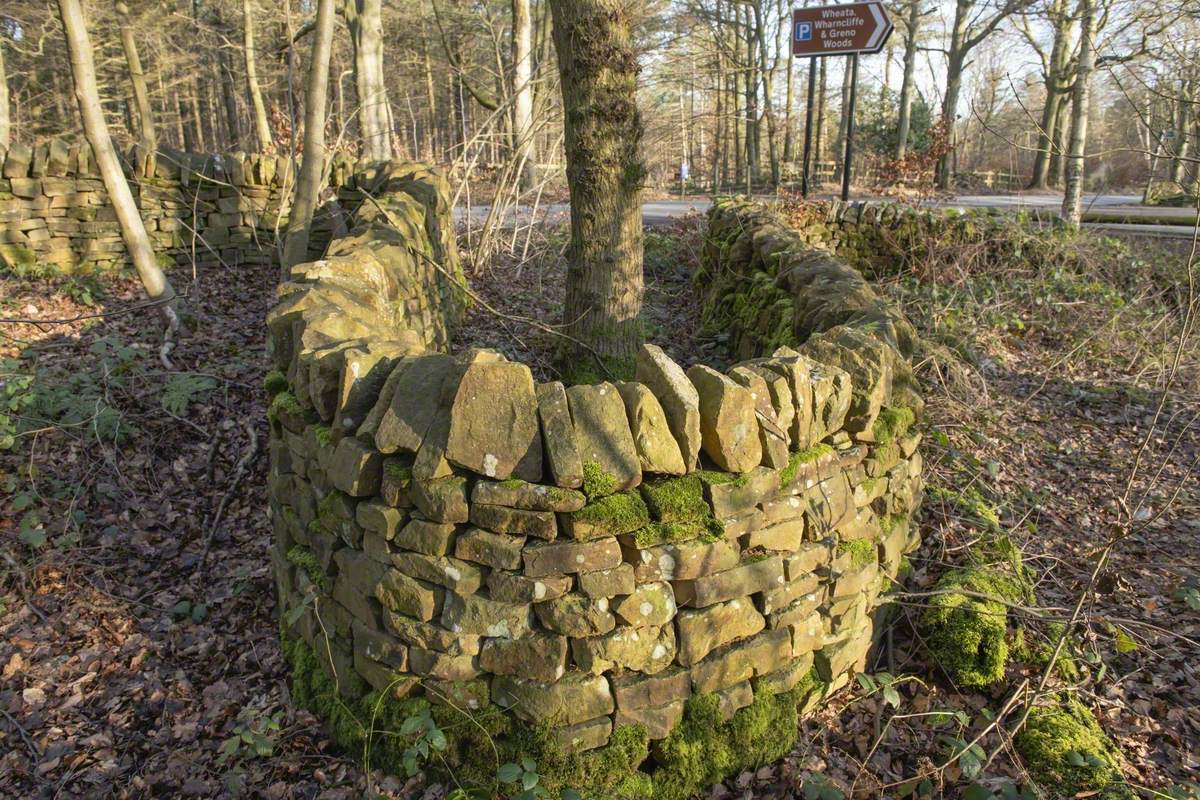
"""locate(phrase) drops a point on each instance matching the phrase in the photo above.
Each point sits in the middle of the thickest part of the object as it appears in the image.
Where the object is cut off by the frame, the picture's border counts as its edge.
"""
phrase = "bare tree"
(262, 128)
(1072, 207)
(599, 68)
(144, 117)
(912, 29)
(83, 73)
(1056, 66)
(312, 166)
(5, 113)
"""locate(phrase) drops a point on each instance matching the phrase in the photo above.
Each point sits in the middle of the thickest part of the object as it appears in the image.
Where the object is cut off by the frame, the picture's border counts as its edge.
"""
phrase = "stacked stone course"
(209, 210)
(584, 557)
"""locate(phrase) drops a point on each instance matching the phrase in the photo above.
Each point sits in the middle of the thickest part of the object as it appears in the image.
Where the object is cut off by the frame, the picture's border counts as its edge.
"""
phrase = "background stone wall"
(204, 209)
(626, 567)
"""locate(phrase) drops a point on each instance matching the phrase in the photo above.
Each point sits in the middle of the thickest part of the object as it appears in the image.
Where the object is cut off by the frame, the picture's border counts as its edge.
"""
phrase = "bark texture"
(312, 165)
(912, 28)
(603, 127)
(522, 91)
(5, 113)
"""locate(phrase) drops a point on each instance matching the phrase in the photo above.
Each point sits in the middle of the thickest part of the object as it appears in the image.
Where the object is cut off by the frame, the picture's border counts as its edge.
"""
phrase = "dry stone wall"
(210, 210)
(620, 574)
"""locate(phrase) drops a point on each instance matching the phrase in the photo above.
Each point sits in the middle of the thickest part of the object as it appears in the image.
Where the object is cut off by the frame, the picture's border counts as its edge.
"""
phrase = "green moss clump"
(306, 559)
(715, 477)
(324, 435)
(797, 459)
(285, 403)
(967, 635)
(861, 551)
(1068, 754)
(892, 423)
(702, 749)
(275, 382)
(656, 533)
(615, 514)
(676, 499)
(596, 482)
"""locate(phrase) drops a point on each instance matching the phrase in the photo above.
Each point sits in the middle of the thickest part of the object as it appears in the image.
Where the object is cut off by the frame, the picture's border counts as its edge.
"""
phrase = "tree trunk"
(956, 58)
(789, 95)
(144, 114)
(431, 126)
(133, 232)
(598, 69)
(1063, 23)
(262, 128)
(1072, 207)
(312, 166)
(522, 92)
(764, 68)
(1058, 161)
(912, 28)
(229, 98)
(1183, 107)
(365, 20)
(843, 116)
(5, 113)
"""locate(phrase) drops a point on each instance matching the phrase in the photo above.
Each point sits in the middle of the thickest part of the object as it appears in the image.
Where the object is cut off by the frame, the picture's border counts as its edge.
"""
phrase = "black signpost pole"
(808, 130)
(849, 158)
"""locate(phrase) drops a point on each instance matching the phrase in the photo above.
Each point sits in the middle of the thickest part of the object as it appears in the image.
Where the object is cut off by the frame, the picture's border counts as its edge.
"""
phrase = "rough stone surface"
(728, 426)
(558, 436)
(677, 396)
(494, 424)
(573, 699)
(701, 631)
(657, 449)
(602, 435)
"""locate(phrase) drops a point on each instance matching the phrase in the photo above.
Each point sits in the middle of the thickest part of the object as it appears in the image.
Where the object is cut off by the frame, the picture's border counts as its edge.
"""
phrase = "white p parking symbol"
(803, 31)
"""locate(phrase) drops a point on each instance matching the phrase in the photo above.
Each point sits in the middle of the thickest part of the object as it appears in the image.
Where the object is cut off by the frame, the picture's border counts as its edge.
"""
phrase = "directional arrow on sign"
(841, 29)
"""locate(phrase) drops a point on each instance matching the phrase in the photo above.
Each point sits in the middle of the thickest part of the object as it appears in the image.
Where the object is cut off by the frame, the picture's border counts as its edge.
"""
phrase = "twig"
(33, 751)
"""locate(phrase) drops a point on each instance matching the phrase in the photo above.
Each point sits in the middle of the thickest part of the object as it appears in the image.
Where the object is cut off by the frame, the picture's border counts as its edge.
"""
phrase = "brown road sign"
(841, 29)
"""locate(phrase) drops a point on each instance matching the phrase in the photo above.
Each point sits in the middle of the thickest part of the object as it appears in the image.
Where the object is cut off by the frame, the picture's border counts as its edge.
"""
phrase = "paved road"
(1118, 213)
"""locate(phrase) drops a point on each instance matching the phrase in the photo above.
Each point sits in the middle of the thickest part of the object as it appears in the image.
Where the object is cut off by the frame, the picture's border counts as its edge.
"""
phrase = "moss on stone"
(703, 749)
(967, 634)
(596, 482)
(1068, 754)
(708, 530)
(676, 499)
(398, 471)
(861, 551)
(304, 558)
(892, 423)
(324, 435)
(715, 477)
(798, 459)
(286, 403)
(615, 514)
(275, 382)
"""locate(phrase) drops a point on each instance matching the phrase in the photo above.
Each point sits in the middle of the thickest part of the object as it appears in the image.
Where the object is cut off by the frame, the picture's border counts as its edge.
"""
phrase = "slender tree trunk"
(752, 126)
(598, 69)
(955, 62)
(1183, 107)
(133, 232)
(819, 136)
(144, 114)
(764, 68)
(522, 92)
(912, 29)
(185, 135)
(1072, 207)
(229, 97)
(431, 120)
(5, 112)
(262, 128)
(365, 20)
(843, 115)
(312, 166)
(789, 96)
(1062, 22)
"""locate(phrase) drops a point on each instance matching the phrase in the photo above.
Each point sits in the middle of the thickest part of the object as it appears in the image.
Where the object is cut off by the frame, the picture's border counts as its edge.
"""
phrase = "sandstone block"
(728, 425)
(423, 536)
(583, 736)
(576, 615)
(647, 650)
(496, 550)
(702, 631)
(413, 404)
(539, 657)
(482, 616)
(677, 396)
(573, 699)
(493, 422)
(607, 582)
(502, 519)
(658, 722)
(634, 690)
(411, 630)
(682, 560)
(604, 440)
(565, 558)
(515, 493)
(409, 596)
(647, 605)
(558, 436)
(657, 449)
(451, 573)
(745, 579)
(442, 666)
(741, 661)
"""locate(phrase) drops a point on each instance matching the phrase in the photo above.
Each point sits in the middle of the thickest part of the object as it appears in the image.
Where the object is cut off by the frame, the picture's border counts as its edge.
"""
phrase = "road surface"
(1116, 213)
